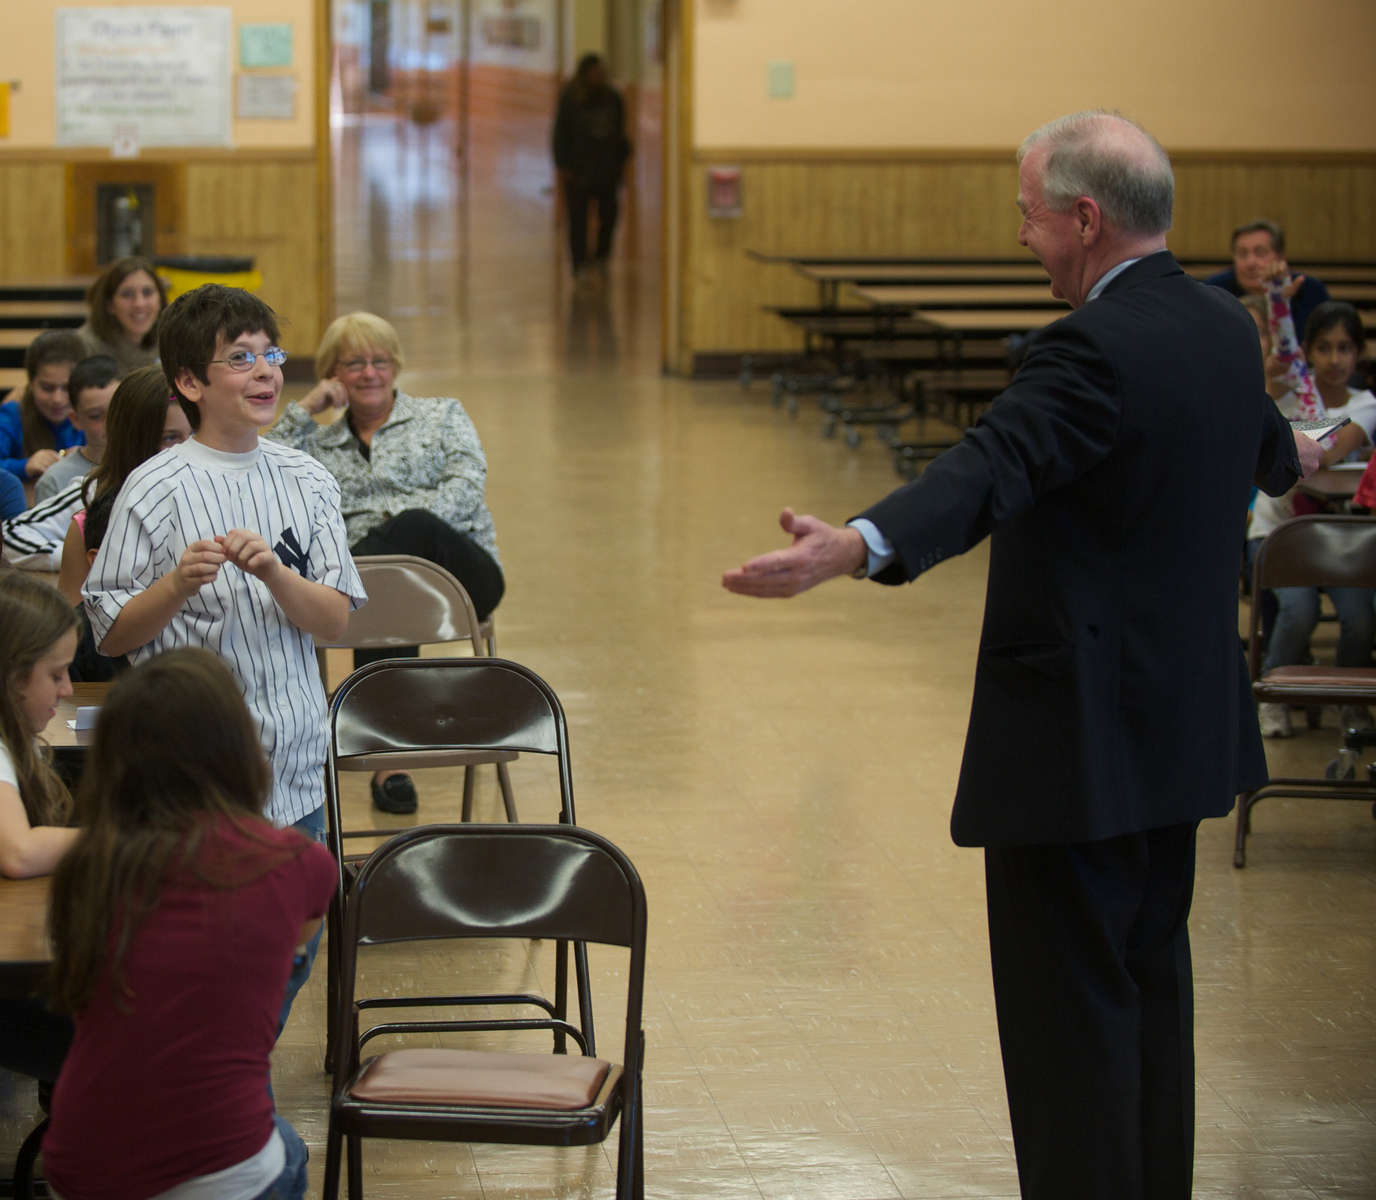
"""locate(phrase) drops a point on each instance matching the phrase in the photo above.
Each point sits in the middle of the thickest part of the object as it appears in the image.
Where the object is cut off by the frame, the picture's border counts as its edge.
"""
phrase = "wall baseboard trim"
(731, 364)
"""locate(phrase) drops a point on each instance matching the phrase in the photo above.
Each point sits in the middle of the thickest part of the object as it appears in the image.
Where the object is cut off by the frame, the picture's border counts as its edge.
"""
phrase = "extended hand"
(249, 552)
(819, 552)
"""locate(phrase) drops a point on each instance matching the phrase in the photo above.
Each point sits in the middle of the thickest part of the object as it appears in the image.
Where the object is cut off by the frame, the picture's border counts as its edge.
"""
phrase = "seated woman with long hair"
(174, 919)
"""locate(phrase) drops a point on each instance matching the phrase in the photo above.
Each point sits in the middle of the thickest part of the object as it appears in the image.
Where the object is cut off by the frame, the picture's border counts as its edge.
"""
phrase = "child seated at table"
(37, 639)
(174, 919)
(91, 384)
(1333, 341)
(37, 425)
(143, 418)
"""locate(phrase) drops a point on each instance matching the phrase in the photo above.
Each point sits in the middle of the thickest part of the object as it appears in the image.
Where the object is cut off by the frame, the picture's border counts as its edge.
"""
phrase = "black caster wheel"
(852, 438)
(828, 429)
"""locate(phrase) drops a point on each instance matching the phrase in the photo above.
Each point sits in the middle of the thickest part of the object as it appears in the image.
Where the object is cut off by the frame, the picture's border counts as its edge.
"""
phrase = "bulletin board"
(156, 76)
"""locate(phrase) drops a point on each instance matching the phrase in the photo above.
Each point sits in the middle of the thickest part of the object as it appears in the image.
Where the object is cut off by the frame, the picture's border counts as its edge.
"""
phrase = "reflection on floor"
(819, 1017)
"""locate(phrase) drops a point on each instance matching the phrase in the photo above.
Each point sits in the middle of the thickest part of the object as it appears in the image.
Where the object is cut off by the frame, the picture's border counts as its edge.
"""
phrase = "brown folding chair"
(440, 712)
(1313, 551)
(443, 882)
(414, 602)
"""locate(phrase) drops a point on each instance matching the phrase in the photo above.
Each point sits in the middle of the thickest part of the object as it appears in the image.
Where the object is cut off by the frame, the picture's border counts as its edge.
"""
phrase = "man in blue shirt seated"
(1257, 247)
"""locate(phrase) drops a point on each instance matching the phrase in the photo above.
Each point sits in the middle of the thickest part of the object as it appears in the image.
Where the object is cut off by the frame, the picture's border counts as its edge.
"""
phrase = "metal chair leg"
(467, 814)
(508, 796)
(23, 1164)
(1244, 822)
(331, 1189)
(354, 1146)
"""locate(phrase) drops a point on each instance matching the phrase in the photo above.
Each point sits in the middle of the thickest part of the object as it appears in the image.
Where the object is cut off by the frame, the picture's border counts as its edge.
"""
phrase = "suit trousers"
(1094, 993)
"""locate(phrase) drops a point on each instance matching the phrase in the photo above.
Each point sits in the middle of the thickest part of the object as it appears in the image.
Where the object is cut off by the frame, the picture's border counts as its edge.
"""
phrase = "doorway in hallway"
(446, 217)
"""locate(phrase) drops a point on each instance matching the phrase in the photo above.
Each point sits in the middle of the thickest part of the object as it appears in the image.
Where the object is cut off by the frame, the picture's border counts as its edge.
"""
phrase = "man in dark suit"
(1111, 710)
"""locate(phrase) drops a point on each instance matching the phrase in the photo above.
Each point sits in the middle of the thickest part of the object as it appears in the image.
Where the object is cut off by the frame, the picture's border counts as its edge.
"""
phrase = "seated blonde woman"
(411, 473)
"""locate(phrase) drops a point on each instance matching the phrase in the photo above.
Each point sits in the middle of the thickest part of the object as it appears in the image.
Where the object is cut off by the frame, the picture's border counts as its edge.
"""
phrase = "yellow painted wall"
(28, 55)
(1201, 74)
(899, 137)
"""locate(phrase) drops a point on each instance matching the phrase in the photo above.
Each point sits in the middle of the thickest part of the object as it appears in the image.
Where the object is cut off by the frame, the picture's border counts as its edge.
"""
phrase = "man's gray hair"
(1112, 160)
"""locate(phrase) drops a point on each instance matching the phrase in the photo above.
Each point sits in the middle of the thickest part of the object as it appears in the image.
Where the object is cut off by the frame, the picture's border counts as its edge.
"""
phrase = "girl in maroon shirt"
(174, 920)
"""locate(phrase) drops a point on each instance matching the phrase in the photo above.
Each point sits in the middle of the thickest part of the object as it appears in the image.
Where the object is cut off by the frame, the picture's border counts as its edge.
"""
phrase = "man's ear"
(1088, 219)
(91, 557)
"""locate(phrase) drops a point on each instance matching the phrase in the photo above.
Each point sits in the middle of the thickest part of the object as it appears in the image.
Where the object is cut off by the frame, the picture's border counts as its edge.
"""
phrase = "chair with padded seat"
(444, 882)
(414, 602)
(1313, 551)
(412, 713)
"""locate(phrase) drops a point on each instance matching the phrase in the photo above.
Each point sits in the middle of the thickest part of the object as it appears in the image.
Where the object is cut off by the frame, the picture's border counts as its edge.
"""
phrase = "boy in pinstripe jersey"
(233, 544)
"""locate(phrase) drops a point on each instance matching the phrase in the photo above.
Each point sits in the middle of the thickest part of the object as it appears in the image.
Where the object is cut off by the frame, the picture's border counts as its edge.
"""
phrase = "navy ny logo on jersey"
(288, 549)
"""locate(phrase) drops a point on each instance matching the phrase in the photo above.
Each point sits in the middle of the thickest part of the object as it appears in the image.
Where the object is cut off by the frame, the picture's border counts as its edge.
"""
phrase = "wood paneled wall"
(963, 203)
(267, 206)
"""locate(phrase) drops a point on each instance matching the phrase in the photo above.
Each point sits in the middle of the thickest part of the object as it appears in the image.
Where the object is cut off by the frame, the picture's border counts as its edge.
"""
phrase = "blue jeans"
(1297, 612)
(291, 1184)
(313, 826)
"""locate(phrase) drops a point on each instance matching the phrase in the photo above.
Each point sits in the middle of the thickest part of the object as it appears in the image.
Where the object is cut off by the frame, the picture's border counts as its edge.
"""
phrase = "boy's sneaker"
(1354, 716)
(1275, 721)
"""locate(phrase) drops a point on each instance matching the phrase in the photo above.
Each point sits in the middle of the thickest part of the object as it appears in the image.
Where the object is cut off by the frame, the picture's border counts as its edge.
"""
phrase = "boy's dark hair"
(1269, 227)
(1331, 313)
(98, 371)
(192, 324)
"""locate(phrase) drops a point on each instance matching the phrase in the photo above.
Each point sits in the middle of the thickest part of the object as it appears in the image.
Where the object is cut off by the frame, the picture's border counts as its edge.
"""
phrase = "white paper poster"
(165, 71)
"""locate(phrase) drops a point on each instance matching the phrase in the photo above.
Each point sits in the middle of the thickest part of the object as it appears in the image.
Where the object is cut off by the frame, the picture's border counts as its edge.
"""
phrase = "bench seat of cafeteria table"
(71, 288)
(49, 314)
(12, 380)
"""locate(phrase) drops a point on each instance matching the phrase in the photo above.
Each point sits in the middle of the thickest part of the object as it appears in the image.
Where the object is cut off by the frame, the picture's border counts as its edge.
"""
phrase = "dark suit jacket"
(1113, 474)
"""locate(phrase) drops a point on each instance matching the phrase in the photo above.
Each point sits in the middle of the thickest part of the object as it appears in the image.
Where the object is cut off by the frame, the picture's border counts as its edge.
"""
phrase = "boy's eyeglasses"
(355, 365)
(242, 360)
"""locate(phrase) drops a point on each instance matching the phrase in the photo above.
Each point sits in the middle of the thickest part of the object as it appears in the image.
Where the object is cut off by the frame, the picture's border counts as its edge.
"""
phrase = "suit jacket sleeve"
(1058, 419)
(1278, 464)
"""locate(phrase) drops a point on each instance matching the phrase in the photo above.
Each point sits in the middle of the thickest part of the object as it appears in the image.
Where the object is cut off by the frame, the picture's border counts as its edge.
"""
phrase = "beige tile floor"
(819, 1017)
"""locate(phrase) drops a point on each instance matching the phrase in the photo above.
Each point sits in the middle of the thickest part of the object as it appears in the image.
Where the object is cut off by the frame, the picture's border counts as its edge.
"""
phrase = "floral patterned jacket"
(426, 456)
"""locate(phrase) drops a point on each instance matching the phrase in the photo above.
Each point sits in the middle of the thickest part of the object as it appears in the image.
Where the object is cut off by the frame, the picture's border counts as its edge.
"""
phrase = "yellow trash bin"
(184, 272)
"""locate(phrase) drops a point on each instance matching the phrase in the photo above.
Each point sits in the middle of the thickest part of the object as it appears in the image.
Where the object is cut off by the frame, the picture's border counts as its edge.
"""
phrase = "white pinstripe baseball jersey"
(192, 492)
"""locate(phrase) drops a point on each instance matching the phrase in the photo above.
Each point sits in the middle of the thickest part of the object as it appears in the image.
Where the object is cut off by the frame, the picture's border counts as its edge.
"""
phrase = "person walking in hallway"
(590, 153)
(1111, 711)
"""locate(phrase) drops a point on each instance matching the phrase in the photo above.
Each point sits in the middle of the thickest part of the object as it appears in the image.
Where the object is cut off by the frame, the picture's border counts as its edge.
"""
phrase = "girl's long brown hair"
(32, 618)
(50, 346)
(134, 425)
(175, 754)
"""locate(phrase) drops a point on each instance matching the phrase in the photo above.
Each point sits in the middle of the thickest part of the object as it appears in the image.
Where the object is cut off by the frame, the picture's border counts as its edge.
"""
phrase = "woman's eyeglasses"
(354, 365)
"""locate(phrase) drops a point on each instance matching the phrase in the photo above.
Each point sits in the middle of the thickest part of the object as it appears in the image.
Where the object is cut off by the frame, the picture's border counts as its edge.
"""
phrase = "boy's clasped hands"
(201, 560)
